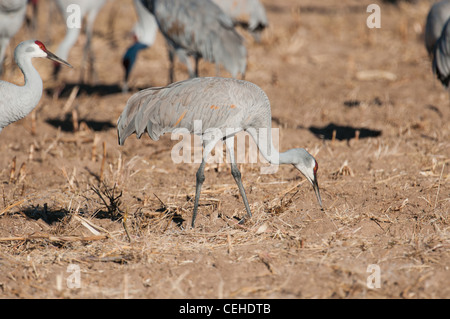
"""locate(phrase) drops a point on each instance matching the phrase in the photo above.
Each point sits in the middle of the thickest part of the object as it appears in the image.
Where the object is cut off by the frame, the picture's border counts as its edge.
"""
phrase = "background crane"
(437, 17)
(17, 101)
(249, 14)
(441, 56)
(12, 15)
(144, 35)
(90, 9)
(437, 40)
(199, 28)
(225, 106)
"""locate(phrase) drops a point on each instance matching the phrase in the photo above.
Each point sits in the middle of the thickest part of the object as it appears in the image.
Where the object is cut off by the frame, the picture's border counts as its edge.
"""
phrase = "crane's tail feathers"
(133, 118)
(142, 111)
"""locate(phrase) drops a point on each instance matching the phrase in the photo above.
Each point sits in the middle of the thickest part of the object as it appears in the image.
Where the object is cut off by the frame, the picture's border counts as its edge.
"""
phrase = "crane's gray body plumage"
(437, 17)
(201, 29)
(224, 106)
(12, 15)
(217, 102)
(250, 14)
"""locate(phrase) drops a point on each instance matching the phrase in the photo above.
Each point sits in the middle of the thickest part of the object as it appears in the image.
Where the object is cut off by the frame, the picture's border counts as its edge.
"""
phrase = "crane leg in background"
(3, 45)
(171, 52)
(197, 58)
(186, 60)
(88, 54)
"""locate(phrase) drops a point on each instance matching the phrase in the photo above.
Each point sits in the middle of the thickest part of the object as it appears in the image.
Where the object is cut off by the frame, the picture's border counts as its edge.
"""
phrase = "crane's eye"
(316, 167)
(41, 45)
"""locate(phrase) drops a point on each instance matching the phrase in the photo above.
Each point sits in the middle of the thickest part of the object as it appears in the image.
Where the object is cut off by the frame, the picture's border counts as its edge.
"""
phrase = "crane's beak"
(53, 57)
(316, 190)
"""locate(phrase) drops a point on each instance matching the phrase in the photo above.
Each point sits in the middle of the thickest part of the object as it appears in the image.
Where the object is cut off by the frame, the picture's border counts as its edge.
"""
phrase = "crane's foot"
(241, 222)
(243, 219)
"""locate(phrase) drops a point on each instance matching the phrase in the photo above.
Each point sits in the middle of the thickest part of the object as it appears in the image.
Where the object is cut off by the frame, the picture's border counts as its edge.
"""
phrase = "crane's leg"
(200, 176)
(184, 58)
(197, 58)
(4, 42)
(171, 52)
(88, 54)
(237, 176)
(2, 56)
(34, 17)
(86, 49)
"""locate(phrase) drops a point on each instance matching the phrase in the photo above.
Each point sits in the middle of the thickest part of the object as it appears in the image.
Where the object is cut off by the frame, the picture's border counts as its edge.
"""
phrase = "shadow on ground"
(66, 89)
(342, 132)
(48, 215)
(67, 124)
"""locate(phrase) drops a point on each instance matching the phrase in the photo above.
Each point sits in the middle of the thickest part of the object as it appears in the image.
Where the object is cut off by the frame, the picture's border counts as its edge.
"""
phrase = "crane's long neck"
(31, 91)
(263, 138)
(260, 128)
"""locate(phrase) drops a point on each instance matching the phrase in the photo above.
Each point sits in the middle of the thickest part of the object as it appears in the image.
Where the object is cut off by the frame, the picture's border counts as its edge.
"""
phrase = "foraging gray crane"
(437, 40)
(225, 106)
(88, 8)
(441, 56)
(249, 14)
(12, 15)
(199, 28)
(144, 35)
(17, 101)
(437, 17)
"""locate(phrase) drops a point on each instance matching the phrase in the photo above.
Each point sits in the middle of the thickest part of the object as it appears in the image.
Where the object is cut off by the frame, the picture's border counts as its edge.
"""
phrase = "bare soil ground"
(386, 191)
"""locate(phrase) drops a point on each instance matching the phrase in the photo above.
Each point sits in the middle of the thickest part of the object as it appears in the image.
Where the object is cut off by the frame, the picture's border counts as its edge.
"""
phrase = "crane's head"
(307, 165)
(130, 57)
(50, 55)
(36, 49)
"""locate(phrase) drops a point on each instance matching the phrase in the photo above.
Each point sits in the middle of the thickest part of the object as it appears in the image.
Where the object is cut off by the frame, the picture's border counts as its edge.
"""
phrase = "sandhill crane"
(437, 40)
(12, 15)
(437, 17)
(144, 35)
(225, 106)
(249, 14)
(17, 101)
(199, 28)
(88, 8)
(441, 56)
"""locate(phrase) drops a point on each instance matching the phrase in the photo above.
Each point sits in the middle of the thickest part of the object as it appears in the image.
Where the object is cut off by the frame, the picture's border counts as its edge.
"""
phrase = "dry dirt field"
(363, 101)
